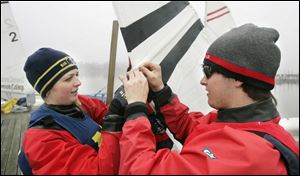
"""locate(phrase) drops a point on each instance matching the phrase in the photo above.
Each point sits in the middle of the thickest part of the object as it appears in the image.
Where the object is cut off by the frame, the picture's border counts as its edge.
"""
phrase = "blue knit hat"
(247, 53)
(45, 67)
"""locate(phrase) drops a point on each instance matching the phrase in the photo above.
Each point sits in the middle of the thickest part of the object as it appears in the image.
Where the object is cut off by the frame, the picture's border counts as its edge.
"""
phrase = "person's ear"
(238, 83)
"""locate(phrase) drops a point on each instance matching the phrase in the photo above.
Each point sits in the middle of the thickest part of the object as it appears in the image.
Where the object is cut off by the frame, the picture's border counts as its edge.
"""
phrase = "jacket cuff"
(163, 96)
(135, 110)
(113, 123)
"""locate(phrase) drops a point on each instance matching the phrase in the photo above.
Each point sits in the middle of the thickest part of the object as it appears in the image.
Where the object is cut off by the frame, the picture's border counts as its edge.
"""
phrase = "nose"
(203, 81)
(77, 82)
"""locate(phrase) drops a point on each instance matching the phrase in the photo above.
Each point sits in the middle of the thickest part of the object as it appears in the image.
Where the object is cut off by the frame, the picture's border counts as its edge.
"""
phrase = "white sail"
(171, 34)
(218, 20)
(13, 80)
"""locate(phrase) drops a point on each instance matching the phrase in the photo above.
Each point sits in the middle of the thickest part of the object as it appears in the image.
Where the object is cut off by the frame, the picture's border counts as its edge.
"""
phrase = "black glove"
(113, 122)
(119, 102)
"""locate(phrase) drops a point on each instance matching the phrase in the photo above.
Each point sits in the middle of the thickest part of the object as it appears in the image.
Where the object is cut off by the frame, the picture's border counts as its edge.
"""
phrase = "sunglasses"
(208, 71)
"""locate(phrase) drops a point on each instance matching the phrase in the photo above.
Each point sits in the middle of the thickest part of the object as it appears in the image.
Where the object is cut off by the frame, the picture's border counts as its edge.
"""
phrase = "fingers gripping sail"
(171, 34)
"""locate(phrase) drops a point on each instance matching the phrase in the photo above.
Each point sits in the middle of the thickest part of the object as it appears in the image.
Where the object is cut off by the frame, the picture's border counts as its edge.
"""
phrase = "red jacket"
(51, 151)
(209, 147)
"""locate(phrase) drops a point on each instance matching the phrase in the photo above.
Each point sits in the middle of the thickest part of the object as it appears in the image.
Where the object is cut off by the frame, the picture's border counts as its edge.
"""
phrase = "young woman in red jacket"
(69, 133)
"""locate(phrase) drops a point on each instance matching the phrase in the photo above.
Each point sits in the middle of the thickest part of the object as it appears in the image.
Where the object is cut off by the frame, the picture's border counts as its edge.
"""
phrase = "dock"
(13, 126)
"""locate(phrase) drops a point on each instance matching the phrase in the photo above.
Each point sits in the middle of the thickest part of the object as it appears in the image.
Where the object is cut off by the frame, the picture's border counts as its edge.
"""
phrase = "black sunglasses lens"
(207, 70)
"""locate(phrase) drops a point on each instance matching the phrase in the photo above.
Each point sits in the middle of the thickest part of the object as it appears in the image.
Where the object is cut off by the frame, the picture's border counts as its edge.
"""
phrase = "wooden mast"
(112, 61)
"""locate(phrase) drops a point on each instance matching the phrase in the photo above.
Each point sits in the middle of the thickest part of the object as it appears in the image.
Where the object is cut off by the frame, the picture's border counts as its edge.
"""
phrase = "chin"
(212, 105)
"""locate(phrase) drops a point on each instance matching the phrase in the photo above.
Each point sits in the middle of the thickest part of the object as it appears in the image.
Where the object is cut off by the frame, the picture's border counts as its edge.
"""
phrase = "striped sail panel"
(141, 29)
(169, 34)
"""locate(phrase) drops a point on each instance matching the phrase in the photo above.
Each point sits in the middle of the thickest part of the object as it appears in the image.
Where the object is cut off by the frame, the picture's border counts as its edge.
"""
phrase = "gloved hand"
(118, 103)
(114, 120)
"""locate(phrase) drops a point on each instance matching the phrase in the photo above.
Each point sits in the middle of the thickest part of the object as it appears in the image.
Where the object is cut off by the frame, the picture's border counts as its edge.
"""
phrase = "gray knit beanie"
(247, 53)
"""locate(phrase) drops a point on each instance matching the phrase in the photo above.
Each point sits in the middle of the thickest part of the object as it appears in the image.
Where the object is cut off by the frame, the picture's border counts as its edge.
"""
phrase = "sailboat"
(13, 81)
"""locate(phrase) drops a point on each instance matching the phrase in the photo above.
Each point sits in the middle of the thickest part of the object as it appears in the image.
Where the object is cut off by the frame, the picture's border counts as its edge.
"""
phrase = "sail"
(171, 34)
(13, 81)
(218, 20)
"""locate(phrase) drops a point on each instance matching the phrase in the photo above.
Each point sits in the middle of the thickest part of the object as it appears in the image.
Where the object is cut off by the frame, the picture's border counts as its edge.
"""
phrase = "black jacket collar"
(260, 111)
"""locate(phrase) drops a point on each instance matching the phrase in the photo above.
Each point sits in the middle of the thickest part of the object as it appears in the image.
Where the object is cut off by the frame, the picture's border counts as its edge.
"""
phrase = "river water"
(287, 96)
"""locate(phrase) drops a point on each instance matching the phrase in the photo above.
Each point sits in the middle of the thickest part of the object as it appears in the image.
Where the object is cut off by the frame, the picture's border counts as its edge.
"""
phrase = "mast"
(112, 61)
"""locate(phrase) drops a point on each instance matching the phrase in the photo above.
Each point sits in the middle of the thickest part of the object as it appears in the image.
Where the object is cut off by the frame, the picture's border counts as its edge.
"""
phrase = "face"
(220, 90)
(65, 91)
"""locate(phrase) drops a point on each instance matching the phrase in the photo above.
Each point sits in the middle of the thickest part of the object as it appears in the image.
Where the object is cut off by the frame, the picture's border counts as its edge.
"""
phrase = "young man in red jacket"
(242, 137)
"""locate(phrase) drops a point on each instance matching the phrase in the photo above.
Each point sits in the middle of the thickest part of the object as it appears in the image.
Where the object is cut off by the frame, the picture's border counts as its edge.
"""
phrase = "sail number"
(14, 36)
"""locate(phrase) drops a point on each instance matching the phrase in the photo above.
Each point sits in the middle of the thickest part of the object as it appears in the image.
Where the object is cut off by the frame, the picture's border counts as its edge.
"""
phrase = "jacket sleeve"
(138, 152)
(94, 107)
(178, 118)
(58, 152)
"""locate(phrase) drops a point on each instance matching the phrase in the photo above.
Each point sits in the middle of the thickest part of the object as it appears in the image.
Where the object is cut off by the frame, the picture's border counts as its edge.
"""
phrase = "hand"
(118, 103)
(153, 74)
(136, 86)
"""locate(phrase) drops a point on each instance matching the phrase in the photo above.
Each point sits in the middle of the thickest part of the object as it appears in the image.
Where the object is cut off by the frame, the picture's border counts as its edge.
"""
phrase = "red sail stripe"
(208, 20)
(216, 10)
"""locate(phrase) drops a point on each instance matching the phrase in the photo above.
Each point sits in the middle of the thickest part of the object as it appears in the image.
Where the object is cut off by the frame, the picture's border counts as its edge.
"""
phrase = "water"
(287, 96)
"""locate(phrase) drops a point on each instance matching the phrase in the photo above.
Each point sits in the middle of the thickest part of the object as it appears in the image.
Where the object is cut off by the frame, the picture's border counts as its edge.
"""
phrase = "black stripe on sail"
(141, 29)
(4, 2)
(169, 63)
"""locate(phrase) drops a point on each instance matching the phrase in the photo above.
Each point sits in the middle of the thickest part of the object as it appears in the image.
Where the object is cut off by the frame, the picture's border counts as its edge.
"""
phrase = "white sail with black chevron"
(171, 34)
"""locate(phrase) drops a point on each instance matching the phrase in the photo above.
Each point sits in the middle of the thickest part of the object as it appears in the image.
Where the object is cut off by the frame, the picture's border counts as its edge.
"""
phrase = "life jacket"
(85, 130)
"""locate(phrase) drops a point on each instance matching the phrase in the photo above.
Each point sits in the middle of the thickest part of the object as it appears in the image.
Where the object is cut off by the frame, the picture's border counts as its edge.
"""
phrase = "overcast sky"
(83, 29)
